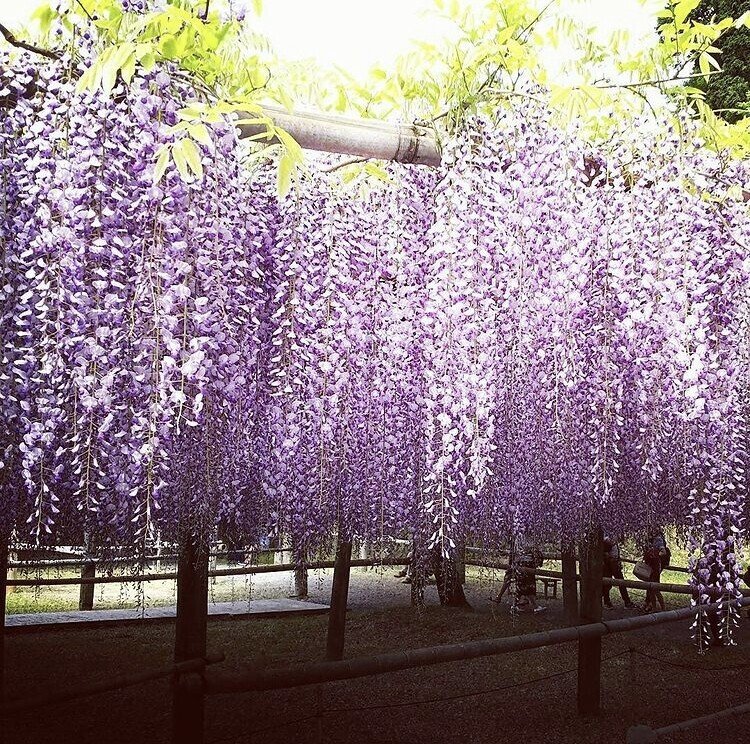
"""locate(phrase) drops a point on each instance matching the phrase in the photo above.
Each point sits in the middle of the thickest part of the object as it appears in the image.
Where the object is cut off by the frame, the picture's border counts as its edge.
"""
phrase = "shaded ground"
(486, 700)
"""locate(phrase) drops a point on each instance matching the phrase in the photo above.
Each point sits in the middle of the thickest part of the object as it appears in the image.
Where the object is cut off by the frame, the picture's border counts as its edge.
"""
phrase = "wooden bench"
(549, 583)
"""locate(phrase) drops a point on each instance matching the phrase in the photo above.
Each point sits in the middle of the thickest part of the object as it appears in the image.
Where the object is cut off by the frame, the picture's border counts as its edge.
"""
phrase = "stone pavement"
(246, 608)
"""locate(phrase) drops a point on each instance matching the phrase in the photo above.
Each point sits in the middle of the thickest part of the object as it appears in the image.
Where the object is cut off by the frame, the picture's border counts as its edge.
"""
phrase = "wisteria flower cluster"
(535, 339)
(131, 313)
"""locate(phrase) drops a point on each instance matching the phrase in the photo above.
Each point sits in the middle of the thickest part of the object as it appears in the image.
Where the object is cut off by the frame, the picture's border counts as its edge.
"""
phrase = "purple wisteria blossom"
(534, 339)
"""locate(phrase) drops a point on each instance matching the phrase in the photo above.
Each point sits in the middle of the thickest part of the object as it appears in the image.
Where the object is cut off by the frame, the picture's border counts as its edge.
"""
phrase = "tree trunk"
(590, 649)
(461, 562)
(339, 596)
(418, 576)
(569, 583)
(450, 590)
(300, 582)
(364, 548)
(4, 549)
(88, 571)
(190, 638)
(86, 592)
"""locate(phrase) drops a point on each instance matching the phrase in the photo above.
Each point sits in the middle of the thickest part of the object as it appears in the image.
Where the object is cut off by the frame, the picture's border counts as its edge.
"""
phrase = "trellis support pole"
(364, 138)
(590, 647)
(4, 550)
(339, 597)
(569, 582)
(190, 638)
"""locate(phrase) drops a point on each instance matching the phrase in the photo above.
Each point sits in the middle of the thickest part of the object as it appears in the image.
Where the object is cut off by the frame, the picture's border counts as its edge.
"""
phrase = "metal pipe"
(365, 138)
(277, 679)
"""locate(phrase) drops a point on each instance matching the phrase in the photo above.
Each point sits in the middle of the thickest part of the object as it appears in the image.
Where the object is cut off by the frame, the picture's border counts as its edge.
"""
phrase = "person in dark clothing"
(521, 569)
(526, 581)
(656, 555)
(612, 568)
(504, 588)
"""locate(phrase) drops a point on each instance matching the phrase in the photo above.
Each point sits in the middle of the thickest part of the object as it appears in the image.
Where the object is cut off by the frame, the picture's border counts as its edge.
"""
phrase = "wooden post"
(569, 583)
(4, 549)
(86, 593)
(339, 596)
(590, 649)
(190, 638)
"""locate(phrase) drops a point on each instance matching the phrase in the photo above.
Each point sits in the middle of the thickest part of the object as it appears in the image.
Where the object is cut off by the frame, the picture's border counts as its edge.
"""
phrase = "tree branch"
(352, 161)
(13, 41)
(657, 81)
(83, 8)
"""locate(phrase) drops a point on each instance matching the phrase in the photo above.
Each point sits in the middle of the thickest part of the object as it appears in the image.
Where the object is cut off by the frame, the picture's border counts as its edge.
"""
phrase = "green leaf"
(376, 171)
(704, 66)
(109, 75)
(291, 144)
(183, 43)
(181, 161)
(199, 132)
(192, 156)
(286, 101)
(161, 164)
(258, 7)
(168, 46)
(128, 69)
(341, 101)
(148, 60)
(683, 9)
(284, 174)
(44, 15)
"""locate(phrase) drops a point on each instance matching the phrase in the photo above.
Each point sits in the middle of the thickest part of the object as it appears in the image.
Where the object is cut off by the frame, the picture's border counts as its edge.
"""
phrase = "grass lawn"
(486, 700)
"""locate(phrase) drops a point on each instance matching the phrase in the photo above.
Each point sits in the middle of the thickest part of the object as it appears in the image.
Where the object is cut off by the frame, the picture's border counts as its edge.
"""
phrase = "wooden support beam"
(86, 592)
(569, 583)
(339, 597)
(190, 639)
(590, 647)
(364, 138)
(4, 550)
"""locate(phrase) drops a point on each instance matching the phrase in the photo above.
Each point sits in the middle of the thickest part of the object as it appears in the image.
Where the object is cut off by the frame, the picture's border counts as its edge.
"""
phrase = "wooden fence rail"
(631, 584)
(218, 683)
(282, 567)
(647, 735)
(80, 562)
(112, 683)
(239, 571)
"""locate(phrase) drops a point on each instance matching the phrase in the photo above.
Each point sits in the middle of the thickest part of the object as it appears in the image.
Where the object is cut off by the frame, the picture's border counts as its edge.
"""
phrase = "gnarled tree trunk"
(448, 578)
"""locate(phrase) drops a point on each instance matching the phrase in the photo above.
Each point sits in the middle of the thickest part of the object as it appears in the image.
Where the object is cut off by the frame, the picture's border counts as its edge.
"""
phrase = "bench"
(549, 583)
